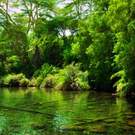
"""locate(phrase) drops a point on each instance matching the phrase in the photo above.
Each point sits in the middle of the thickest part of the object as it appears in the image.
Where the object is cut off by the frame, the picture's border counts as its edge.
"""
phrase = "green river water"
(48, 112)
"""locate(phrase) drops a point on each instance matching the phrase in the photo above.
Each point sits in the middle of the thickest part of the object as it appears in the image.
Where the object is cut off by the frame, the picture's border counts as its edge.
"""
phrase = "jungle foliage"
(69, 45)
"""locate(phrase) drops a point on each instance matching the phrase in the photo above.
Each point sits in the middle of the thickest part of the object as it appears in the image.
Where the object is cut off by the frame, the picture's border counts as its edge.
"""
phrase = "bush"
(49, 82)
(42, 73)
(15, 80)
(123, 85)
(68, 78)
(13, 64)
(33, 82)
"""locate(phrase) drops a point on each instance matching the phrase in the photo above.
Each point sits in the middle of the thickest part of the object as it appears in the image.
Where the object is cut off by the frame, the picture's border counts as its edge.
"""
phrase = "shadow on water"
(47, 112)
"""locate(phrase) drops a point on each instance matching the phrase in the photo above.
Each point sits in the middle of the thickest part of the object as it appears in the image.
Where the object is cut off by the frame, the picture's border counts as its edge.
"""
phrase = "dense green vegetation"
(71, 45)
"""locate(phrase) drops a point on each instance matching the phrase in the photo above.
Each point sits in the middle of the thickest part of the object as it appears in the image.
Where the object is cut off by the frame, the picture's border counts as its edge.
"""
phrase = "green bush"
(123, 85)
(42, 73)
(49, 81)
(33, 82)
(68, 78)
(15, 80)
(13, 64)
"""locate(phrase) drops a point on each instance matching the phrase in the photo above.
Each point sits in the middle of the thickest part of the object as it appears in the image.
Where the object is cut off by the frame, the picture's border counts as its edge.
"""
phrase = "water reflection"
(41, 112)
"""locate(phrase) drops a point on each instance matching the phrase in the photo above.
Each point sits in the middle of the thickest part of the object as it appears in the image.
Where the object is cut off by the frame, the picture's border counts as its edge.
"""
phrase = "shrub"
(33, 82)
(42, 73)
(68, 78)
(49, 81)
(13, 64)
(15, 80)
(123, 85)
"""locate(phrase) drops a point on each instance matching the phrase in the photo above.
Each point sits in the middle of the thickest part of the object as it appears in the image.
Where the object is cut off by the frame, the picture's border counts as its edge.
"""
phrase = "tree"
(123, 25)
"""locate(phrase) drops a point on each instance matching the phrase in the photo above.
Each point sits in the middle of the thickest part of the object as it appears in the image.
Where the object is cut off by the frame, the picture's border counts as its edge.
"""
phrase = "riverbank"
(68, 78)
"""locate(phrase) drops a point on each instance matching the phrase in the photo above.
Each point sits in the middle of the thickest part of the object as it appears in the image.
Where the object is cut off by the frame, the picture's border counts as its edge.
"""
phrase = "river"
(50, 112)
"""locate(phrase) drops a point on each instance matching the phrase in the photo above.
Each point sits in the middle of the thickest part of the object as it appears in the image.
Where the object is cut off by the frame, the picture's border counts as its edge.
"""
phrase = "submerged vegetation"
(70, 45)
